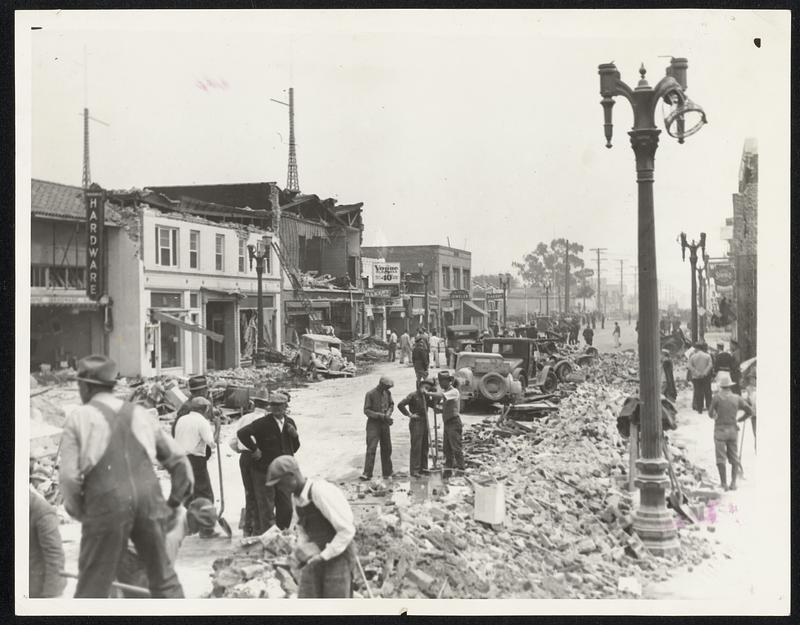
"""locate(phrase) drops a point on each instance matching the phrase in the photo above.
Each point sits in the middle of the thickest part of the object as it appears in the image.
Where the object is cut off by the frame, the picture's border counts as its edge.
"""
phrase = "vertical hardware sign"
(95, 220)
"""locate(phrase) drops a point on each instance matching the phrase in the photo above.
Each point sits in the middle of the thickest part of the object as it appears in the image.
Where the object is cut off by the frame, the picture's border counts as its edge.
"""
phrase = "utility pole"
(621, 298)
(597, 295)
(566, 278)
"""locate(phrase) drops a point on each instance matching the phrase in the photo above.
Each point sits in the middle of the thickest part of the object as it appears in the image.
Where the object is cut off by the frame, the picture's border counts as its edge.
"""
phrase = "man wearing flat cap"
(107, 479)
(325, 531)
(378, 408)
(271, 435)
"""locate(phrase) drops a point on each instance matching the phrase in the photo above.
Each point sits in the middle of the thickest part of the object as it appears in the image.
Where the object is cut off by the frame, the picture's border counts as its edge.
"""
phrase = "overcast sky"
(484, 127)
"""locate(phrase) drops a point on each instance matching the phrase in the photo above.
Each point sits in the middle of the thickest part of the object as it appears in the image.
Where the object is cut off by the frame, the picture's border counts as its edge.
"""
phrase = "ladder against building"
(294, 276)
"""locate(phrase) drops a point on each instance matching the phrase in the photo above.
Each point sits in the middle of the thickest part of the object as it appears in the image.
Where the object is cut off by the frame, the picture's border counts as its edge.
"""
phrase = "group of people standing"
(379, 407)
(423, 351)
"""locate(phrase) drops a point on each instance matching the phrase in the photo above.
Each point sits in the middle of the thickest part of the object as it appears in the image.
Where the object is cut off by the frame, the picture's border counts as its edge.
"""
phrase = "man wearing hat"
(107, 479)
(453, 428)
(378, 408)
(723, 410)
(267, 437)
(194, 435)
(725, 361)
(700, 369)
(420, 358)
(198, 516)
(670, 392)
(245, 467)
(415, 406)
(325, 531)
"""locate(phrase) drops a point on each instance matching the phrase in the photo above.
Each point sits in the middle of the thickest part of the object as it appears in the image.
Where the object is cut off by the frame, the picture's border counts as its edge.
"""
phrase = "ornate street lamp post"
(653, 522)
(692, 247)
(259, 253)
(425, 278)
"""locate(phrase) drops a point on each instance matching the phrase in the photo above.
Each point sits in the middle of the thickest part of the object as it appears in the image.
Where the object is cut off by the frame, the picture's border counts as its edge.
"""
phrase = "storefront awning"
(474, 309)
(64, 299)
(223, 293)
(187, 325)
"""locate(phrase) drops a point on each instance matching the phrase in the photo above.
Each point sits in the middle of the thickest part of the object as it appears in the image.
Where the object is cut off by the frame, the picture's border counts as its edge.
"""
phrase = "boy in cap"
(378, 408)
(325, 531)
(267, 437)
(723, 410)
(415, 406)
(107, 479)
(451, 404)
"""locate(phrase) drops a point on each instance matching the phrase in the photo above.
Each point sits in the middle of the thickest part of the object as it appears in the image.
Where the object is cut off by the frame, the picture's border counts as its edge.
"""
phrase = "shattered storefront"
(343, 310)
(248, 325)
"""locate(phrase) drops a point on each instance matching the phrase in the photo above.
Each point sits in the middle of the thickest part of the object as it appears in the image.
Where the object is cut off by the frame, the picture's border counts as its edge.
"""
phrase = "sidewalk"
(730, 572)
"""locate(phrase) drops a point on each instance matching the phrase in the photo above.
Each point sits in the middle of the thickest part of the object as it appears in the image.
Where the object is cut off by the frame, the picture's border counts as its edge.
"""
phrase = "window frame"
(242, 255)
(194, 237)
(174, 245)
(219, 255)
(446, 277)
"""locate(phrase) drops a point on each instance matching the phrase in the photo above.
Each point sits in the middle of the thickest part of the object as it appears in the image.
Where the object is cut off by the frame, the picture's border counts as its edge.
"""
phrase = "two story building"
(450, 271)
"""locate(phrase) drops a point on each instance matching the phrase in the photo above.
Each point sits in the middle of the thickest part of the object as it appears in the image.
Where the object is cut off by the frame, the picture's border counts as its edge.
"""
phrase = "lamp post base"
(260, 358)
(653, 522)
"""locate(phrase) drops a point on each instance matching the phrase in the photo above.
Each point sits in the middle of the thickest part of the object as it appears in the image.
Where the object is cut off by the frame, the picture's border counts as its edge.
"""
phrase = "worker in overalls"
(107, 478)
(451, 404)
(325, 531)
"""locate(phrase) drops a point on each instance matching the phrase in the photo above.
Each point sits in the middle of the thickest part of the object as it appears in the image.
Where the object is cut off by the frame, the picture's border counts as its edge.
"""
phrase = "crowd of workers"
(131, 534)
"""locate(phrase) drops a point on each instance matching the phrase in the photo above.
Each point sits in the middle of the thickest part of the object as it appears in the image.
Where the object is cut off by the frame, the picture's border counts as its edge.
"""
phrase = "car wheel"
(493, 386)
(550, 383)
(563, 370)
(523, 380)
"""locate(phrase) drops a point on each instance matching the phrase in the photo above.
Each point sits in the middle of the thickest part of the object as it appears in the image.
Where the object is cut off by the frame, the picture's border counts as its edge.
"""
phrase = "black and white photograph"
(436, 311)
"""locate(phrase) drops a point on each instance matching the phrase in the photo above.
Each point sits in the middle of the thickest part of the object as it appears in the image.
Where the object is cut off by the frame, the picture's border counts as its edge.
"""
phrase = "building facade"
(450, 271)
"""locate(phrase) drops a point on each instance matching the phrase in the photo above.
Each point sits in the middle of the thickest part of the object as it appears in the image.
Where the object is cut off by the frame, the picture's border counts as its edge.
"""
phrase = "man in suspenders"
(107, 478)
(325, 531)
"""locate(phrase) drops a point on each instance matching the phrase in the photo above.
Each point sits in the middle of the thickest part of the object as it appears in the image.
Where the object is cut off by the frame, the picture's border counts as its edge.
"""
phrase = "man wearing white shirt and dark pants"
(246, 466)
(192, 433)
(325, 531)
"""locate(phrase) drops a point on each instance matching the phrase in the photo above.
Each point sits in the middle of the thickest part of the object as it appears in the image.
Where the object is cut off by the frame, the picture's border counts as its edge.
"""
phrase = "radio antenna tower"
(292, 179)
(87, 174)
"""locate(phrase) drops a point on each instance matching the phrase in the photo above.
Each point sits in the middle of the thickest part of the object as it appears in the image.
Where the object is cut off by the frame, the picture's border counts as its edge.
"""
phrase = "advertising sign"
(459, 294)
(723, 275)
(95, 220)
(492, 295)
(386, 273)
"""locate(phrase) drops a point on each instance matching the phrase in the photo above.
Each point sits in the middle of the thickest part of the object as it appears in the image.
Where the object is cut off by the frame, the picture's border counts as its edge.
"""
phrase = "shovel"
(134, 591)
(222, 522)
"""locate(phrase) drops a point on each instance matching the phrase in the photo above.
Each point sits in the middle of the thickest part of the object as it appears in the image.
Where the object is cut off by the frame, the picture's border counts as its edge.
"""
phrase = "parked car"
(490, 377)
(535, 355)
(458, 338)
(321, 354)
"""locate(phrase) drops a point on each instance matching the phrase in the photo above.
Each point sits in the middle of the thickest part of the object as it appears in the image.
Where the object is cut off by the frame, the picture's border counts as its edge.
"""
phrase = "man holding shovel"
(451, 401)
(325, 531)
(415, 407)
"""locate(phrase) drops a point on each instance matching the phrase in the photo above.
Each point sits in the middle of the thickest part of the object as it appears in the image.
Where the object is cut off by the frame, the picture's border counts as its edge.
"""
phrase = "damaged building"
(320, 242)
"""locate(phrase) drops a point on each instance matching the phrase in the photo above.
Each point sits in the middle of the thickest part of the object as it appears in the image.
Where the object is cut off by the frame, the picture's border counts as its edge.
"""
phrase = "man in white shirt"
(245, 468)
(450, 400)
(192, 433)
(325, 531)
(701, 369)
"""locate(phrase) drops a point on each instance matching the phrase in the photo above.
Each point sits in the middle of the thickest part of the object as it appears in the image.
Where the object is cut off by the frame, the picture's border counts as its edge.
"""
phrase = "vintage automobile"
(482, 376)
(461, 337)
(535, 354)
(322, 355)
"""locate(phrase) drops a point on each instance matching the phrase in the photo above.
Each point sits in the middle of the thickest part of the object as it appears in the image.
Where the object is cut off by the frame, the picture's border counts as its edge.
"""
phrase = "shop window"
(166, 246)
(171, 351)
(194, 249)
(165, 300)
(445, 277)
(220, 252)
(456, 278)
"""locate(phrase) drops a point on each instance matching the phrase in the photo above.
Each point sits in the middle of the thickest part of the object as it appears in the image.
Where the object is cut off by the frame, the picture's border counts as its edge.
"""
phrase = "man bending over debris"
(325, 531)
(108, 448)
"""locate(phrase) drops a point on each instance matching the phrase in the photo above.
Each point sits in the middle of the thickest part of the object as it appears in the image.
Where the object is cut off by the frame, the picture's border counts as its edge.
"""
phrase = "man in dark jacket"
(378, 408)
(725, 361)
(588, 335)
(415, 406)
(274, 434)
(45, 551)
(108, 448)
(669, 378)
(420, 358)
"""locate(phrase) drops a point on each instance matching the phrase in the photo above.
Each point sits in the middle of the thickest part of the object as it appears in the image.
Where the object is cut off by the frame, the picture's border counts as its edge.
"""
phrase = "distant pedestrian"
(725, 361)
(422, 334)
(405, 348)
(588, 335)
(378, 408)
(45, 550)
(669, 378)
(415, 407)
(616, 334)
(724, 410)
(325, 531)
(594, 321)
(450, 407)
(602, 321)
(420, 358)
(391, 339)
(700, 369)
(435, 341)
